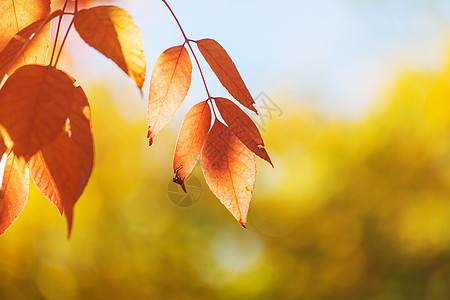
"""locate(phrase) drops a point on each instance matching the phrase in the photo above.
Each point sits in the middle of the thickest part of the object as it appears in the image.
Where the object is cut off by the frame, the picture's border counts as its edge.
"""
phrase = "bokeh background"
(357, 121)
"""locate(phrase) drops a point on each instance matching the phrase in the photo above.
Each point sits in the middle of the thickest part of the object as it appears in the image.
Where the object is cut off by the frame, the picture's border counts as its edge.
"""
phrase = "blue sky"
(338, 55)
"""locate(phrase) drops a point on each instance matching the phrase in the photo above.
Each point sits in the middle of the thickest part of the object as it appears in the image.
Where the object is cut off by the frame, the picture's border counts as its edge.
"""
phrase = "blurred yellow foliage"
(352, 210)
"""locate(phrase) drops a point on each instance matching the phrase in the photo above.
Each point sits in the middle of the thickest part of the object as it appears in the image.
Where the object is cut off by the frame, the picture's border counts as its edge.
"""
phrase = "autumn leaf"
(243, 127)
(80, 130)
(62, 169)
(190, 141)
(18, 45)
(229, 169)
(34, 105)
(15, 15)
(225, 70)
(2, 146)
(113, 32)
(169, 85)
(14, 191)
(56, 171)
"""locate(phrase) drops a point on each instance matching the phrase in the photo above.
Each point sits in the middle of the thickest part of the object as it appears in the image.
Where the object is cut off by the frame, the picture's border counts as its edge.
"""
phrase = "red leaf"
(243, 127)
(190, 141)
(62, 169)
(230, 170)
(225, 70)
(113, 32)
(14, 192)
(15, 15)
(171, 79)
(34, 105)
(22, 41)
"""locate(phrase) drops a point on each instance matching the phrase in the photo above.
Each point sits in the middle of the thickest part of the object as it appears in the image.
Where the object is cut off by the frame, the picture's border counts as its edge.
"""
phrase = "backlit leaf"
(113, 32)
(243, 127)
(14, 191)
(190, 141)
(15, 15)
(229, 169)
(34, 105)
(18, 45)
(225, 70)
(56, 170)
(81, 134)
(62, 169)
(171, 79)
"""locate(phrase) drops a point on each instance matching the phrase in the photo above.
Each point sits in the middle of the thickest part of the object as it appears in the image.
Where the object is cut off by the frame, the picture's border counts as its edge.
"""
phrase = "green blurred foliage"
(352, 210)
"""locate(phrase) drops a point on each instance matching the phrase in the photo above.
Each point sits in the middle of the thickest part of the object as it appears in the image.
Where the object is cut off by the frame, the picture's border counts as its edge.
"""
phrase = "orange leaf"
(190, 141)
(15, 15)
(14, 192)
(34, 105)
(56, 170)
(81, 134)
(225, 70)
(113, 32)
(230, 170)
(62, 169)
(2, 147)
(21, 42)
(171, 79)
(243, 127)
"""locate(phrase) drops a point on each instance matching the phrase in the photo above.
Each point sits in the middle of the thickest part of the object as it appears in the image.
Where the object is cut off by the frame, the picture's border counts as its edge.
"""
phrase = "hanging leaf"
(225, 70)
(34, 105)
(243, 127)
(56, 170)
(80, 132)
(190, 141)
(23, 40)
(62, 169)
(229, 169)
(113, 32)
(171, 79)
(15, 15)
(14, 191)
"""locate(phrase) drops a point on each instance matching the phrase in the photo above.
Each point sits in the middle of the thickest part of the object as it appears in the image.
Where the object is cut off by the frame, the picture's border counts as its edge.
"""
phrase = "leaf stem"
(187, 41)
(57, 31)
(63, 42)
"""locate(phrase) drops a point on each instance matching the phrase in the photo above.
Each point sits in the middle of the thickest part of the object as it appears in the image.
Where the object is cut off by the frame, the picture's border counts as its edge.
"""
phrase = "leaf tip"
(69, 218)
(180, 181)
(242, 224)
(149, 136)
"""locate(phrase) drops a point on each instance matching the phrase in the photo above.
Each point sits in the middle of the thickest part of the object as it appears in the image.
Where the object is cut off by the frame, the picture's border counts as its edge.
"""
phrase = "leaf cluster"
(45, 118)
